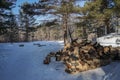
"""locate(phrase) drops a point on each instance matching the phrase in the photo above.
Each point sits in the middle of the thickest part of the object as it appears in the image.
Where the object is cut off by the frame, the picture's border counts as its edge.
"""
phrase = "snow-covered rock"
(112, 39)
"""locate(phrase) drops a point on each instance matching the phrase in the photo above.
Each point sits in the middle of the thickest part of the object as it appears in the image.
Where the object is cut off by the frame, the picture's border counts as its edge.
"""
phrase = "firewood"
(87, 56)
(68, 70)
(64, 58)
(48, 58)
(106, 50)
(67, 46)
(97, 62)
(58, 58)
(90, 62)
(100, 53)
(52, 54)
(85, 67)
(92, 67)
(83, 56)
(46, 61)
(105, 62)
(74, 57)
(68, 65)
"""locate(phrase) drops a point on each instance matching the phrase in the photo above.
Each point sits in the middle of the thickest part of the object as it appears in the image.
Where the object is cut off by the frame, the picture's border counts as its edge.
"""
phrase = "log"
(58, 58)
(105, 62)
(67, 46)
(45, 62)
(52, 54)
(48, 58)
(97, 62)
(106, 50)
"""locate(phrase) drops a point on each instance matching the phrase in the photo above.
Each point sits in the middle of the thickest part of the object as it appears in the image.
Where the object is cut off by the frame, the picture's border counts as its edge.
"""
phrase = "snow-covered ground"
(26, 63)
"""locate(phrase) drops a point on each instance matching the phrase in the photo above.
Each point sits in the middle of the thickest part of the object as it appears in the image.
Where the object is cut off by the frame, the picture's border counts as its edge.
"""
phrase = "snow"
(110, 40)
(26, 63)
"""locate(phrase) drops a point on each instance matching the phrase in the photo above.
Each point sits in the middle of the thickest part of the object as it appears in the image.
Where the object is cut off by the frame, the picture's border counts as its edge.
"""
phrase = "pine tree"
(100, 11)
(61, 8)
(7, 19)
(27, 22)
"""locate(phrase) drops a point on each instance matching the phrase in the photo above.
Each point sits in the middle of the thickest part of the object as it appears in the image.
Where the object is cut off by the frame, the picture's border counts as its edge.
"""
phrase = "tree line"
(69, 20)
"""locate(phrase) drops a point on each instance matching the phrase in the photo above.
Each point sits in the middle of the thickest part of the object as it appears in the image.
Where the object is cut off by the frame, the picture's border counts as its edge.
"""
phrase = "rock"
(38, 44)
(21, 45)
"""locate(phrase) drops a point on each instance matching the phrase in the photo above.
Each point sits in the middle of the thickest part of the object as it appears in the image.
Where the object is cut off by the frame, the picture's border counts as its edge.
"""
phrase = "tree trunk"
(117, 29)
(65, 27)
(70, 34)
(84, 33)
(108, 29)
(107, 26)
(26, 34)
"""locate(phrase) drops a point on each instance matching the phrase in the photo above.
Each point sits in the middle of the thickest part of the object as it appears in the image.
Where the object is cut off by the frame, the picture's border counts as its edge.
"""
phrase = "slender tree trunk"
(107, 26)
(117, 29)
(84, 33)
(70, 34)
(26, 34)
(105, 30)
(49, 38)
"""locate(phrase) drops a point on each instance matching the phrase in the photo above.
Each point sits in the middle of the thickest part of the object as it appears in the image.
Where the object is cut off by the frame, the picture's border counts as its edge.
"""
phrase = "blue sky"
(38, 18)
(19, 2)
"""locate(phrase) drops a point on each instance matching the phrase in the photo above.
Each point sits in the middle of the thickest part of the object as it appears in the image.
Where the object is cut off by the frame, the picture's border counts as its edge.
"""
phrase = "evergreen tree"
(8, 25)
(99, 11)
(61, 8)
(5, 14)
(27, 22)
